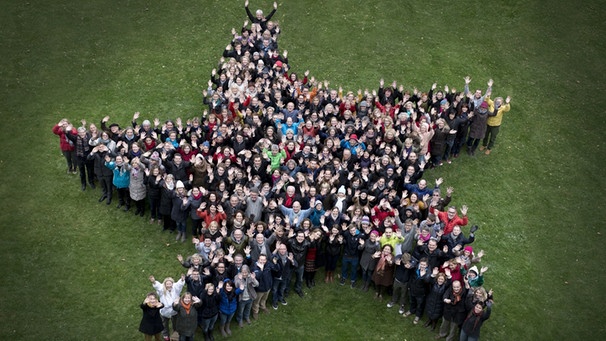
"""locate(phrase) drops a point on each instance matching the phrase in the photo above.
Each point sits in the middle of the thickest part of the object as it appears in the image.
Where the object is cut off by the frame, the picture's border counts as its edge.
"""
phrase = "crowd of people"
(283, 175)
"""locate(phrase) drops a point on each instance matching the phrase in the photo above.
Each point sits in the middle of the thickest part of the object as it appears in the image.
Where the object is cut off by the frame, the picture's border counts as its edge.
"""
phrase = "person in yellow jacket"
(494, 122)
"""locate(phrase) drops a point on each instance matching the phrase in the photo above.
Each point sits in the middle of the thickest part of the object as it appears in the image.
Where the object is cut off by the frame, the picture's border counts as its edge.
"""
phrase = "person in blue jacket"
(121, 179)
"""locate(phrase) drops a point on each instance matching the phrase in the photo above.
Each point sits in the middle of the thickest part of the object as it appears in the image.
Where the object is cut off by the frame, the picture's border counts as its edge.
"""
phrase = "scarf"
(187, 307)
(381, 263)
(457, 297)
(170, 185)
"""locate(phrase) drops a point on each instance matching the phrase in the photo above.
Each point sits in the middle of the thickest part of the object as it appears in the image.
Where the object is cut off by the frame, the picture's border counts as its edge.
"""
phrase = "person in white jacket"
(168, 291)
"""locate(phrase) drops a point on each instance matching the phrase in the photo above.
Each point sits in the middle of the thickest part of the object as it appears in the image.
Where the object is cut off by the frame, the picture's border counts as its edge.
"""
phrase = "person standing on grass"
(151, 322)
(284, 263)
(494, 122)
(454, 311)
(153, 178)
(477, 127)
(369, 248)
(168, 291)
(246, 281)
(403, 272)
(262, 272)
(167, 187)
(418, 290)
(82, 150)
(349, 267)
(104, 174)
(67, 146)
(180, 210)
(121, 179)
(384, 271)
(440, 282)
(470, 330)
(187, 316)
(258, 18)
(298, 245)
(229, 303)
(209, 311)
(136, 187)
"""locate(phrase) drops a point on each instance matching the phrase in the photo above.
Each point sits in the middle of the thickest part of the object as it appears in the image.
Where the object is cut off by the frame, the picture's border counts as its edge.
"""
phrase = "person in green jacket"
(275, 156)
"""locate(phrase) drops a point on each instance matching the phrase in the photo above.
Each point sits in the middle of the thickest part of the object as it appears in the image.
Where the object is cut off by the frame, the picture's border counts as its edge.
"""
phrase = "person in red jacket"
(67, 146)
(450, 218)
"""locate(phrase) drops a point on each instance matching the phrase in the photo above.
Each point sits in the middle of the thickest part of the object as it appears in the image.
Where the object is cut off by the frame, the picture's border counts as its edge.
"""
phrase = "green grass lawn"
(73, 269)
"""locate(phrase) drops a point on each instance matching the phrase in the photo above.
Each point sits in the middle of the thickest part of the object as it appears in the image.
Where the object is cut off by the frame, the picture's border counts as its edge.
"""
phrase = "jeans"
(491, 136)
(464, 337)
(277, 290)
(448, 329)
(243, 312)
(352, 263)
(400, 293)
(70, 158)
(226, 318)
(417, 304)
(208, 324)
(182, 226)
(154, 206)
(165, 323)
(299, 279)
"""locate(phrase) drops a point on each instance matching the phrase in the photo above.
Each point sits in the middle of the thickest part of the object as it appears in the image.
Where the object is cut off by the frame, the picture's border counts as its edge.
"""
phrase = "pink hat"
(469, 249)
(279, 63)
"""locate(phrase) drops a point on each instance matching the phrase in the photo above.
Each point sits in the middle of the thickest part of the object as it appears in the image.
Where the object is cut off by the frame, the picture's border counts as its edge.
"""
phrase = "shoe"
(178, 236)
(275, 306)
(248, 321)
(241, 324)
(222, 330)
(427, 324)
(159, 221)
(92, 185)
(109, 201)
(389, 304)
(227, 330)
(455, 156)
(487, 152)
(401, 310)
(142, 213)
(313, 283)
(103, 197)
(83, 187)
(406, 314)
(301, 293)
(353, 284)
(119, 205)
(151, 221)
(449, 161)
(137, 211)
(167, 338)
(416, 320)
(482, 148)
(439, 337)
(342, 281)
(284, 302)
(126, 208)
(183, 237)
(255, 316)
(365, 287)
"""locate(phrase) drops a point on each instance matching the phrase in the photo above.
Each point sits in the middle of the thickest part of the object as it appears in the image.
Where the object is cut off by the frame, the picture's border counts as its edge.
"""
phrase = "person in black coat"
(454, 310)
(103, 174)
(167, 186)
(153, 180)
(418, 289)
(439, 283)
(151, 322)
(209, 311)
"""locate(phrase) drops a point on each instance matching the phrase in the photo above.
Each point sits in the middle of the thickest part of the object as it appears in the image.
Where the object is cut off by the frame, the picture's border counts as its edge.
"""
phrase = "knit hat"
(375, 232)
(484, 105)
(468, 249)
(353, 137)
(342, 189)
(155, 156)
(365, 220)
(180, 184)
(474, 269)
(279, 63)
(205, 144)
(363, 104)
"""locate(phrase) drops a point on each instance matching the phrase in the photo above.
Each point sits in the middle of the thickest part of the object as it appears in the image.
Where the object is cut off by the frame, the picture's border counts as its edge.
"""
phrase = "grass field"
(73, 269)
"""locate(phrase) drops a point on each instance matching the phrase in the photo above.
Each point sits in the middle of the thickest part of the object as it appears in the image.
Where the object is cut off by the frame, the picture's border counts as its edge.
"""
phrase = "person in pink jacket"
(67, 146)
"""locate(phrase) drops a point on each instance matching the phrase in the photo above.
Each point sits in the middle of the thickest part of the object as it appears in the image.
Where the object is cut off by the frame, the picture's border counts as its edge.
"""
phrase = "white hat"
(180, 184)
